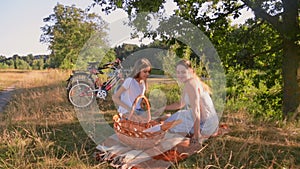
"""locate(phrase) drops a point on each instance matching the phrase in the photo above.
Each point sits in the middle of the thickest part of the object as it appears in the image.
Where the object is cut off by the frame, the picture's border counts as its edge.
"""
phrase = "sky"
(21, 22)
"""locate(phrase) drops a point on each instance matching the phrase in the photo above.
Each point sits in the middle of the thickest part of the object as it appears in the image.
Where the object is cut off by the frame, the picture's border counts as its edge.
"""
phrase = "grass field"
(40, 129)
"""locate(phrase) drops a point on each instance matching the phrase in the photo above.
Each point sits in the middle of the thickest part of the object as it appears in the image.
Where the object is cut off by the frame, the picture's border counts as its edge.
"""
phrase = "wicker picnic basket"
(130, 132)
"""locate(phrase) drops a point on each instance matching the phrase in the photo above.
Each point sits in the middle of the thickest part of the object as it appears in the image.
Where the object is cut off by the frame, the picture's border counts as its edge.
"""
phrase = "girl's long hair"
(139, 65)
(187, 64)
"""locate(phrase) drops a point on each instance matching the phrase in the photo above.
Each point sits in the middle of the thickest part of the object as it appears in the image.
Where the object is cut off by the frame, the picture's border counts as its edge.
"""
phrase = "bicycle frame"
(109, 84)
(93, 86)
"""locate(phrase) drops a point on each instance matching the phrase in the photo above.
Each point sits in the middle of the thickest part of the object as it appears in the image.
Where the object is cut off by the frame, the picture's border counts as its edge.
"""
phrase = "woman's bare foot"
(167, 125)
(163, 118)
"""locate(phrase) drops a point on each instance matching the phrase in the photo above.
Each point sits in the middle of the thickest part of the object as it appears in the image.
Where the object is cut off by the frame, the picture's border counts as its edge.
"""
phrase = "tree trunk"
(290, 70)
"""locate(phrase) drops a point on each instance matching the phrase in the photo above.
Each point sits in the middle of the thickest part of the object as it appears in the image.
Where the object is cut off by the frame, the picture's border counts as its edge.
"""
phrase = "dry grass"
(9, 78)
(40, 130)
(39, 95)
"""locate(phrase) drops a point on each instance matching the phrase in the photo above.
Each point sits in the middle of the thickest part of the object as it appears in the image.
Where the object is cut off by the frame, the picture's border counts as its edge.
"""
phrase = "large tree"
(284, 18)
(281, 15)
(66, 31)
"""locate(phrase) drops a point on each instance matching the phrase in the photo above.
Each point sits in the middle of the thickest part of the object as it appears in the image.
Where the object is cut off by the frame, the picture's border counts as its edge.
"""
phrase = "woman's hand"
(194, 140)
(197, 140)
(148, 119)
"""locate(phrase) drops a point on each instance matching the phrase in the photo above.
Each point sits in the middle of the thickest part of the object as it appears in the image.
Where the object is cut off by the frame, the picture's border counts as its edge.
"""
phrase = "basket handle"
(134, 105)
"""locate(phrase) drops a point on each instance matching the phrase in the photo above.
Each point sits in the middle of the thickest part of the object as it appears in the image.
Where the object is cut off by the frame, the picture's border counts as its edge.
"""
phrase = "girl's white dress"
(209, 120)
(133, 90)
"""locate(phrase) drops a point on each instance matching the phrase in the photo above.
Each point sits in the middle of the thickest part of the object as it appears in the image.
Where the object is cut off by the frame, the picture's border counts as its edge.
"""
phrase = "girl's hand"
(148, 119)
(195, 140)
(200, 139)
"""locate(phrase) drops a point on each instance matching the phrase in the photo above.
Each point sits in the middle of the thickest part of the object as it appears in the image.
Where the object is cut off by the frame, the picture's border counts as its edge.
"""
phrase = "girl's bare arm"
(194, 98)
(116, 98)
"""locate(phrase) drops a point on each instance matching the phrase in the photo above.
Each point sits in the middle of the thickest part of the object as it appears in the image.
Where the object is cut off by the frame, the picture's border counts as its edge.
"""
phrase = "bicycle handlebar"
(116, 62)
(112, 65)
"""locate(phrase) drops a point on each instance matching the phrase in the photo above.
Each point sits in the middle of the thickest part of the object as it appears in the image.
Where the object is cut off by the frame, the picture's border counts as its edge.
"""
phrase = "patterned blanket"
(170, 150)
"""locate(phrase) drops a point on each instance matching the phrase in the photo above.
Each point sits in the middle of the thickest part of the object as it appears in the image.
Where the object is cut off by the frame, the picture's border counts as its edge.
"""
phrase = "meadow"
(40, 129)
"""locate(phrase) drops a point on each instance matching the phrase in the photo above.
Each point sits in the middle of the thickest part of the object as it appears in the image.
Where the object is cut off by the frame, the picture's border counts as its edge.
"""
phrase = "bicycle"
(83, 88)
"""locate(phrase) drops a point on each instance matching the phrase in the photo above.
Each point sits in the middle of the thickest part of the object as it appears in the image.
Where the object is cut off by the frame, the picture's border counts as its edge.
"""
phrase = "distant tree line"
(29, 62)
(39, 62)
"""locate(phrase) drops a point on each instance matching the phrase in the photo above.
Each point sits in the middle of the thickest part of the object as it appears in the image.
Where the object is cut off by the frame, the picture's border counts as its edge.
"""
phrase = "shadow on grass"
(232, 151)
(39, 124)
(34, 144)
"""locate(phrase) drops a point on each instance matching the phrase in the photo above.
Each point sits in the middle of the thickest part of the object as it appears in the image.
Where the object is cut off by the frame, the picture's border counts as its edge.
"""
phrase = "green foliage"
(2, 58)
(21, 64)
(9, 64)
(95, 50)
(248, 90)
(172, 91)
(38, 64)
(253, 69)
(237, 46)
(28, 62)
(66, 31)
(259, 44)
(125, 50)
(29, 59)
(169, 62)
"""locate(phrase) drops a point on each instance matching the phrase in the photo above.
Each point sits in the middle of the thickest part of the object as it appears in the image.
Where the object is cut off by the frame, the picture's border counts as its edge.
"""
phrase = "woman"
(199, 116)
(133, 86)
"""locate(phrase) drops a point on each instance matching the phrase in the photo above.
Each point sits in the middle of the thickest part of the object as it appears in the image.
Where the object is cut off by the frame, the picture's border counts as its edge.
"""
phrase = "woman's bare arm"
(116, 98)
(194, 98)
(174, 106)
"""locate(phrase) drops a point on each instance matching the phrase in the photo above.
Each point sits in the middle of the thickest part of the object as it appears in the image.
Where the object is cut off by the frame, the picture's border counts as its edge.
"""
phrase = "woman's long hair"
(187, 64)
(139, 65)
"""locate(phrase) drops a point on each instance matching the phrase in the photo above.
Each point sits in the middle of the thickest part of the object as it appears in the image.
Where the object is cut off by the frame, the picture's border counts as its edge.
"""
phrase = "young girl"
(133, 86)
(199, 116)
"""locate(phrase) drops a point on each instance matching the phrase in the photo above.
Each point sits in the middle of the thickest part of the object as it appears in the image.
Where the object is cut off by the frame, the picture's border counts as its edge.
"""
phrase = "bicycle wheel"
(82, 94)
(84, 77)
(75, 79)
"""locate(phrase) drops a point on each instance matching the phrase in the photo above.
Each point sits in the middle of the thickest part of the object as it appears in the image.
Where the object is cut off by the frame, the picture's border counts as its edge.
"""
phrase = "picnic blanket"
(171, 149)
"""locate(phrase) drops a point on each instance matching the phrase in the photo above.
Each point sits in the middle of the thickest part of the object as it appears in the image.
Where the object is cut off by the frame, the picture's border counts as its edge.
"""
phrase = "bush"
(172, 91)
(251, 90)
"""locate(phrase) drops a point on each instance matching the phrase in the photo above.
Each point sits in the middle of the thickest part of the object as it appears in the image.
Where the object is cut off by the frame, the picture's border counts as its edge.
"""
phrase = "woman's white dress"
(133, 90)
(209, 120)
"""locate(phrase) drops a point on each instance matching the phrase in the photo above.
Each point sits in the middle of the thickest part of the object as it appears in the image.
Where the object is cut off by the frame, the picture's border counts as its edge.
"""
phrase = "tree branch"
(249, 31)
(222, 15)
(260, 13)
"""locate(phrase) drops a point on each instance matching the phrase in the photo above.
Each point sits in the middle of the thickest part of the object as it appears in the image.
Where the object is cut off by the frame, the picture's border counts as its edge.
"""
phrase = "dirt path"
(5, 96)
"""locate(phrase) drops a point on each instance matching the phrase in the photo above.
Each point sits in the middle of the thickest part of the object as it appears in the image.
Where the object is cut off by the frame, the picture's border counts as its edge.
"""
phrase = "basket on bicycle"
(131, 132)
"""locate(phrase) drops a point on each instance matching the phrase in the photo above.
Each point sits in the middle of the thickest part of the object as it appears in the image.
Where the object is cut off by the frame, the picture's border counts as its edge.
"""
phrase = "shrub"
(251, 90)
